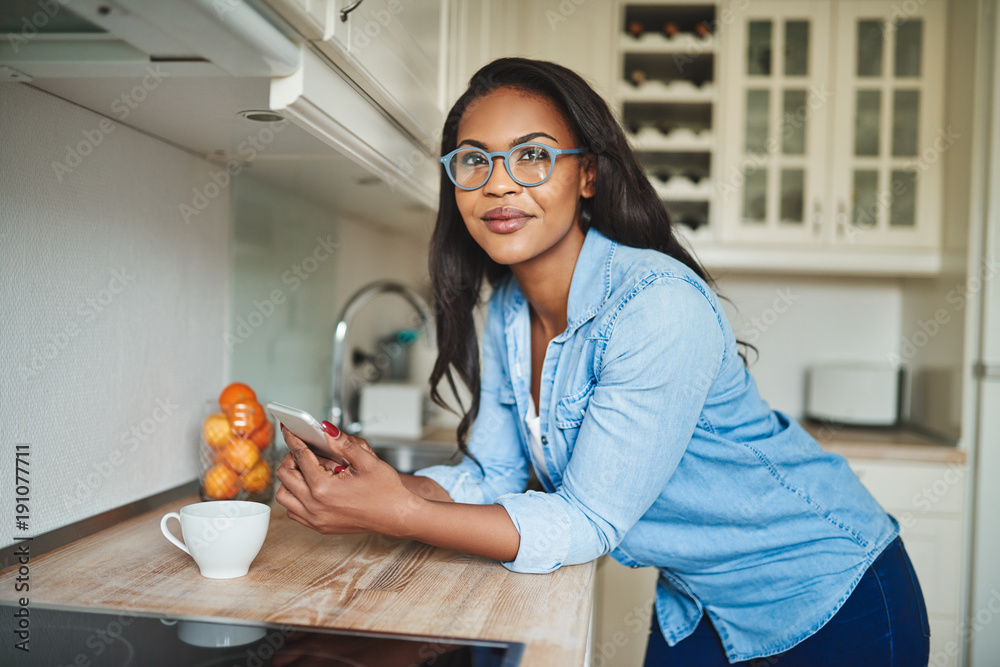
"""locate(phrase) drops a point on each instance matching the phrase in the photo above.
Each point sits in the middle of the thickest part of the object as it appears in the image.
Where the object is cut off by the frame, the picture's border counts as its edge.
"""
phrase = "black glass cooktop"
(63, 636)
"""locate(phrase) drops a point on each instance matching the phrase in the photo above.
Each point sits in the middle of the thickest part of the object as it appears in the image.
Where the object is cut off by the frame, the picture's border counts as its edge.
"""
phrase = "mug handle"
(168, 534)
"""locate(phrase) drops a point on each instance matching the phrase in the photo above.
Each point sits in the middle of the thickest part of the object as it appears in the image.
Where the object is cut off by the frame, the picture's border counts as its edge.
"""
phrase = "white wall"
(112, 309)
(796, 322)
(285, 250)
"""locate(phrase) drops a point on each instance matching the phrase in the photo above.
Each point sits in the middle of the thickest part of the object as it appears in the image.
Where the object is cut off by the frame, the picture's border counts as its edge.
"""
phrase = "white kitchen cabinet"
(928, 501)
(834, 127)
(394, 50)
(313, 18)
(889, 131)
(773, 186)
(325, 104)
(747, 128)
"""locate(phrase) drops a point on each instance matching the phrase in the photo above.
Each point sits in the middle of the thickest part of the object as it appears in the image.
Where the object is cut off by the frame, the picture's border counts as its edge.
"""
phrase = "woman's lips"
(505, 219)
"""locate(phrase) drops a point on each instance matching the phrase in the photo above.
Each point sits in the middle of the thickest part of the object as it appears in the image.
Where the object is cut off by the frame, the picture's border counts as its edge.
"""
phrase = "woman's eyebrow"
(530, 136)
(515, 142)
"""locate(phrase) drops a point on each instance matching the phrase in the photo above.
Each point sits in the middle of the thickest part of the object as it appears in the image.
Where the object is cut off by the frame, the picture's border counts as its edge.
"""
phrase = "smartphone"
(305, 426)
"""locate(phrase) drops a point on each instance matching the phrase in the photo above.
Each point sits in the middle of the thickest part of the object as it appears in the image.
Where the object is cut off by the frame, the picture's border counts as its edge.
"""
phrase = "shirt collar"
(588, 290)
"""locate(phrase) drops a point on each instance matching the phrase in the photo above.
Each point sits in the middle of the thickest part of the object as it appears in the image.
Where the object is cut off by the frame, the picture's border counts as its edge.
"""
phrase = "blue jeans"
(882, 624)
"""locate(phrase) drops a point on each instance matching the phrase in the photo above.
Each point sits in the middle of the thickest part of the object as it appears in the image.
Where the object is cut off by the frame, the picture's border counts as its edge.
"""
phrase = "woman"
(651, 442)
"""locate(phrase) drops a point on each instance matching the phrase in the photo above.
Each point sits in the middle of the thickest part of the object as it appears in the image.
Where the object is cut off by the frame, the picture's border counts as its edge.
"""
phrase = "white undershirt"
(532, 420)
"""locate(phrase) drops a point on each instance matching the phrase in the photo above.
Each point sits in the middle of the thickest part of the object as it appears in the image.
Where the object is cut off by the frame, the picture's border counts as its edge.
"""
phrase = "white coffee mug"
(223, 536)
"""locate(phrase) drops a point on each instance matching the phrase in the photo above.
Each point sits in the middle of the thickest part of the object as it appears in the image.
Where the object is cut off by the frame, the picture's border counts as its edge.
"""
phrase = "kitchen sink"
(409, 456)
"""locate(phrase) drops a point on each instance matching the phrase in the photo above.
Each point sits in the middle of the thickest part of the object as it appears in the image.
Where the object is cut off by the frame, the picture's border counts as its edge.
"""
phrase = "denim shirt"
(660, 452)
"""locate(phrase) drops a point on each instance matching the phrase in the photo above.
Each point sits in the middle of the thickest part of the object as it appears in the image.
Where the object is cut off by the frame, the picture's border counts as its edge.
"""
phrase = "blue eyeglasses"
(527, 164)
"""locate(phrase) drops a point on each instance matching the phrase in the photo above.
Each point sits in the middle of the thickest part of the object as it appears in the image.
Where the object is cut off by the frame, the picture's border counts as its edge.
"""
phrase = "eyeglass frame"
(490, 157)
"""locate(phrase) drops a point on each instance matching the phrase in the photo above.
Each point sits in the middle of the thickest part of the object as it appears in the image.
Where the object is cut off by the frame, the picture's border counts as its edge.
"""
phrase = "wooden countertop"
(354, 582)
(892, 444)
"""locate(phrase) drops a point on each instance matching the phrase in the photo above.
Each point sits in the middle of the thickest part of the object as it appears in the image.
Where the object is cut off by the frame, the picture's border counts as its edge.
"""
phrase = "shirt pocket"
(571, 409)
(569, 414)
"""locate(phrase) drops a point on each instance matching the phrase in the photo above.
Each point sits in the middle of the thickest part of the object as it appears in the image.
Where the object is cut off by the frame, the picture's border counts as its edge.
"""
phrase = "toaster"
(392, 410)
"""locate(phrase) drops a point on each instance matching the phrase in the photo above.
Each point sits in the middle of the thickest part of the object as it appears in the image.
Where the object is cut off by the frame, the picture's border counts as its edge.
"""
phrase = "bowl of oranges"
(237, 456)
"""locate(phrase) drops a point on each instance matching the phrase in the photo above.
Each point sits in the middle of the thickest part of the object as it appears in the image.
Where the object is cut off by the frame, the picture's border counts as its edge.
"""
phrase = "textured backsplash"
(113, 309)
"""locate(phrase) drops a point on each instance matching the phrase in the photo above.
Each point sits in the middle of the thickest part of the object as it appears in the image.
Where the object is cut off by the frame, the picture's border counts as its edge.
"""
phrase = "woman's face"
(546, 216)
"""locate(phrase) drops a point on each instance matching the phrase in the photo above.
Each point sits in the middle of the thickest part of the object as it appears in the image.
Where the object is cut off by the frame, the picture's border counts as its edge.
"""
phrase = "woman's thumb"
(347, 445)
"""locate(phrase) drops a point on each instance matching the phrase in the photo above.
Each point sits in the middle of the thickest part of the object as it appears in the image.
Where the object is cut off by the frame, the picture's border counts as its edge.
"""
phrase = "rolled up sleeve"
(494, 438)
(661, 355)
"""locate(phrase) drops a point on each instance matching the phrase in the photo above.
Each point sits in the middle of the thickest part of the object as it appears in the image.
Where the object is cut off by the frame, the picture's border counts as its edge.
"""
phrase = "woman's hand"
(367, 496)
(370, 496)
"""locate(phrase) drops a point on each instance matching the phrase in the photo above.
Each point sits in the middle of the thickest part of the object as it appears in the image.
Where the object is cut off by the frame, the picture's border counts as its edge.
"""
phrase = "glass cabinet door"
(778, 63)
(889, 125)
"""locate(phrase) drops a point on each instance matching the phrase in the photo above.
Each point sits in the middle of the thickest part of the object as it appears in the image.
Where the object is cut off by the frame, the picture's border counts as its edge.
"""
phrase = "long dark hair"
(625, 208)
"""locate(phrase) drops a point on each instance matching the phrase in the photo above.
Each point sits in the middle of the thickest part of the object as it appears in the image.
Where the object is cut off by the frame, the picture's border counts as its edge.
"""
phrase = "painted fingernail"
(337, 469)
(331, 429)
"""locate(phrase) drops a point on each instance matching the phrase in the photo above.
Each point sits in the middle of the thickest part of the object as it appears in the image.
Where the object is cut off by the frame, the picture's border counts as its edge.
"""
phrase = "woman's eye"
(473, 160)
(533, 154)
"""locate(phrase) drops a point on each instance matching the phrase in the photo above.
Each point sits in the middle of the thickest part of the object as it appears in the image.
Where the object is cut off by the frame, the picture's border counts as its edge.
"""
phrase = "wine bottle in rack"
(670, 29)
(635, 29)
(703, 29)
(666, 127)
(692, 220)
(694, 175)
(637, 77)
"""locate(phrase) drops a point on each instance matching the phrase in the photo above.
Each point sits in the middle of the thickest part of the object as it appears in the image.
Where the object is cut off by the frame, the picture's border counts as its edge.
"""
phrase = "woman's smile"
(505, 219)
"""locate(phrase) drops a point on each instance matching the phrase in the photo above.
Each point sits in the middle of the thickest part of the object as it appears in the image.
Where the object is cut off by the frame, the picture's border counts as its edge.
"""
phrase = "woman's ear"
(588, 176)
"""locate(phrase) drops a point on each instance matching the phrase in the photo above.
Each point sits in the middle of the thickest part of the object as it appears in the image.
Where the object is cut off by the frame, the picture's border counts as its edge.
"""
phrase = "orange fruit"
(237, 392)
(216, 431)
(263, 436)
(221, 482)
(240, 455)
(245, 418)
(257, 478)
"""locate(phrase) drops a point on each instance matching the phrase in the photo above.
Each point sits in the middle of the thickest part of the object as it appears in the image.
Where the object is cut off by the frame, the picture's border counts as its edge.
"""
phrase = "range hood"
(95, 38)
(186, 71)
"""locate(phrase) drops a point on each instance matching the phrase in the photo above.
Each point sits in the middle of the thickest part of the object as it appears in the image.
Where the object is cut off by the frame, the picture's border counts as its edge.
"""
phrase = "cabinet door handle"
(348, 9)
(817, 217)
(841, 217)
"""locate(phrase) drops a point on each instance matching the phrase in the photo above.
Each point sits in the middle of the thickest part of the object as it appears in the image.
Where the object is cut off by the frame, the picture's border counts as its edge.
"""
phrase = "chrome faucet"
(338, 408)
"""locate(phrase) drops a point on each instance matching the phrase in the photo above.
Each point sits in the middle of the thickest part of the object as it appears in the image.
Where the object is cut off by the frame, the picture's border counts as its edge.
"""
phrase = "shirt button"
(544, 440)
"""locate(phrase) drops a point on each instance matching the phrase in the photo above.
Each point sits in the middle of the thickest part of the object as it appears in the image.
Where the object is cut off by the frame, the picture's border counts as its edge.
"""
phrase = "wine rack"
(667, 92)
